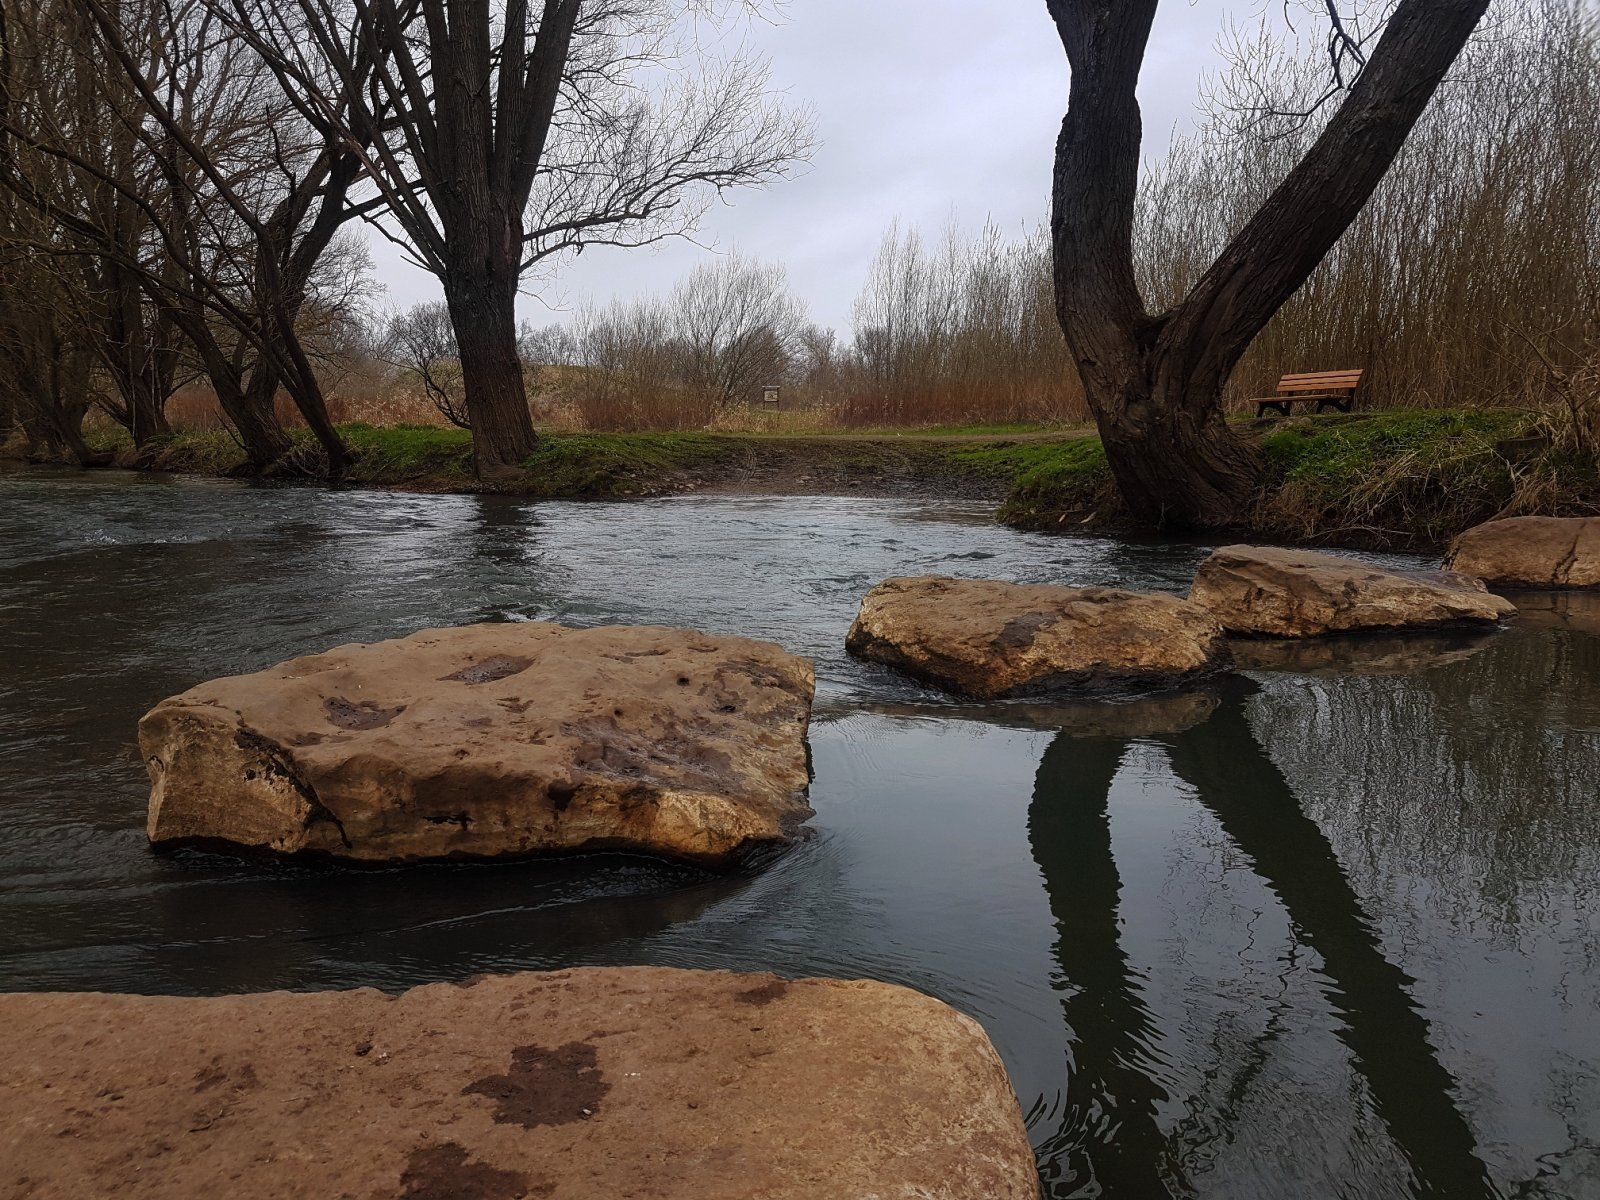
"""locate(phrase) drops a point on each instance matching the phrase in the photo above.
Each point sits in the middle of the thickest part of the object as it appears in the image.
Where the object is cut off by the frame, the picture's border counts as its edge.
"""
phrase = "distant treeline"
(1471, 279)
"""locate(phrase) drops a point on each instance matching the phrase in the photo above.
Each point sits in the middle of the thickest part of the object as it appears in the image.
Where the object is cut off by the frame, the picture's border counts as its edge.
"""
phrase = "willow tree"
(1154, 381)
(501, 132)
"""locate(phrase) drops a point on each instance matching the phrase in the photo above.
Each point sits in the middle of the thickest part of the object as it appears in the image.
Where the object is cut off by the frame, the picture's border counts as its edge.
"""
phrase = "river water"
(1327, 929)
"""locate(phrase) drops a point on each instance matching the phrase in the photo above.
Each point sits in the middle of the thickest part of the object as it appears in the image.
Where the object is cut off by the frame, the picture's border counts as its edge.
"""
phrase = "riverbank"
(1398, 480)
(975, 462)
(1392, 480)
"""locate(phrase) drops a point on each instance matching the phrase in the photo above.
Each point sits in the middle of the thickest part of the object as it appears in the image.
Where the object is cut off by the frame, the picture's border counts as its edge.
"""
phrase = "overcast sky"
(923, 108)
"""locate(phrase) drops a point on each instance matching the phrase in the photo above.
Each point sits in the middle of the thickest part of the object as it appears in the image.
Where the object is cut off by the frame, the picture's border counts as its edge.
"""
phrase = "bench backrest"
(1321, 381)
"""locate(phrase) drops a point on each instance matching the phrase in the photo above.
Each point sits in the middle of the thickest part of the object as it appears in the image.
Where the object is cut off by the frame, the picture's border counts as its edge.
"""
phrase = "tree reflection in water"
(1107, 1128)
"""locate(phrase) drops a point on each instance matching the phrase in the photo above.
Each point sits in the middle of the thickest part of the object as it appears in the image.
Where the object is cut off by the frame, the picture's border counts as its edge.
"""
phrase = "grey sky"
(924, 108)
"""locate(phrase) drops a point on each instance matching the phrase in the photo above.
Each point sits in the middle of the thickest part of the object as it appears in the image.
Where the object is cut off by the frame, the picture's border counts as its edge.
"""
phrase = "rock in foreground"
(987, 639)
(492, 740)
(697, 1085)
(1300, 593)
(1531, 552)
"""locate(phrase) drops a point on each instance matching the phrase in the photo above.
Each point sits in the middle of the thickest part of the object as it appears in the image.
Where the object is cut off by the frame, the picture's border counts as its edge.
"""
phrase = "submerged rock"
(986, 639)
(1300, 593)
(492, 740)
(594, 1082)
(1531, 552)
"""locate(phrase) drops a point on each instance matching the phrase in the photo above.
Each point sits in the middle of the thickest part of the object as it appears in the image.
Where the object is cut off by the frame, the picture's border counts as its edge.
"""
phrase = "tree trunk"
(147, 412)
(254, 421)
(283, 271)
(483, 310)
(1177, 463)
(1154, 382)
(137, 354)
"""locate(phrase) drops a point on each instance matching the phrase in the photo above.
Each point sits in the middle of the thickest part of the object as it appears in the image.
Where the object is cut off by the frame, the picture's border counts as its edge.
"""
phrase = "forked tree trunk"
(254, 422)
(139, 358)
(1175, 463)
(1155, 382)
(147, 411)
(483, 310)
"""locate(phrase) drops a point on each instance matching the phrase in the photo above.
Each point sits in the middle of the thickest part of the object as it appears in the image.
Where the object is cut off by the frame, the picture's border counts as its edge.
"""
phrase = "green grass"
(1064, 480)
(1406, 479)
(427, 454)
(978, 430)
(1401, 479)
(604, 465)
(1342, 452)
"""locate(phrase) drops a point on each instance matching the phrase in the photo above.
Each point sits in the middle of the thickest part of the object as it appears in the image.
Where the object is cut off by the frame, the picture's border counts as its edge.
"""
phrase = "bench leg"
(1261, 407)
(1342, 405)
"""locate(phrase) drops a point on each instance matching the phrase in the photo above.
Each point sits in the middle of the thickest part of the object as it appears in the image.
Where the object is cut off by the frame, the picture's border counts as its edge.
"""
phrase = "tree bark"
(1175, 460)
(483, 309)
(1155, 382)
(283, 272)
(252, 416)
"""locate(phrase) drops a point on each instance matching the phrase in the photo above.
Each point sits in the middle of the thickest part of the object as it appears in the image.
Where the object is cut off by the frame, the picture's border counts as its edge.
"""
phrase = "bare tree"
(44, 369)
(736, 323)
(159, 150)
(959, 330)
(499, 136)
(287, 211)
(52, 88)
(422, 343)
(1155, 380)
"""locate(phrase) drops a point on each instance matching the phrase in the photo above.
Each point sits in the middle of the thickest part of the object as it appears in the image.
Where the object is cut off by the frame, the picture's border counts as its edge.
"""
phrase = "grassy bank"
(1390, 480)
(980, 462)
(1398, 480)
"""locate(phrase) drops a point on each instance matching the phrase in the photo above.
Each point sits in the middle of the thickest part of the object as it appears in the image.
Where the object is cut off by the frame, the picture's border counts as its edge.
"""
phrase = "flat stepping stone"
(703, 1085)
(492, 740)
(1531, 552)
(1262, 590)
(988, 639)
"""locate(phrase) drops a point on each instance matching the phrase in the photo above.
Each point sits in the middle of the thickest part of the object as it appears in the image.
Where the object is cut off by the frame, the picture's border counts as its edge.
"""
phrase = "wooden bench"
(1335, 388)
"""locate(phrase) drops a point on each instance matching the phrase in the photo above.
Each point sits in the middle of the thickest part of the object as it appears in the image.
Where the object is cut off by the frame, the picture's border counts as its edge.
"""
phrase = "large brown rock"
(1531, 552)
(600, 1082)
(492, 740)
(985, 639)
(1300, 593)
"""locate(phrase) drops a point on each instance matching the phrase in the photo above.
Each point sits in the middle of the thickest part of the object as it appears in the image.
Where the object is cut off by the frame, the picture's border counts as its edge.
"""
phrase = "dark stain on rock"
(443, 1172)
(363, 714)
(763, 993)
(207, 1078)
(545, 1087)
(216, 1075)
(498, 666)
(1019, 632)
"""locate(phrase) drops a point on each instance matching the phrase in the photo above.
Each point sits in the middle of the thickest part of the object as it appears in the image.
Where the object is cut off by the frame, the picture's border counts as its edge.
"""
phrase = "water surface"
(1326, 929)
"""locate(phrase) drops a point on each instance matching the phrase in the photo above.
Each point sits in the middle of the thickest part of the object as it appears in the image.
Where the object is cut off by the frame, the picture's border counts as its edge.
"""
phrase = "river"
(1329, 928)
